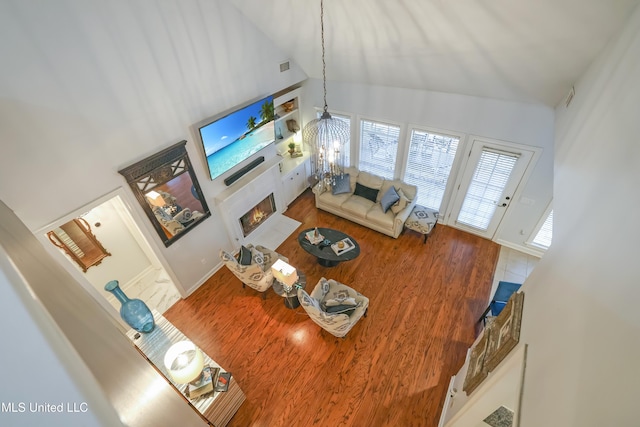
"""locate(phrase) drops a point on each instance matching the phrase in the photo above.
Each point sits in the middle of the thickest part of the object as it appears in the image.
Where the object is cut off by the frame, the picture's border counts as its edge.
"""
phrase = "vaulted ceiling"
(521, 50)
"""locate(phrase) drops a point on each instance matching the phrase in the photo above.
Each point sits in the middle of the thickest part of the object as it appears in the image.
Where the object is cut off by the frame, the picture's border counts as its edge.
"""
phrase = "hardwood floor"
(392, 368)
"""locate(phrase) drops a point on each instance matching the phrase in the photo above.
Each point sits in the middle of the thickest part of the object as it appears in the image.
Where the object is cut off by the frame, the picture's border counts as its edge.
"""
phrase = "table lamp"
(155, 198)
(285, 274)
(184, 362)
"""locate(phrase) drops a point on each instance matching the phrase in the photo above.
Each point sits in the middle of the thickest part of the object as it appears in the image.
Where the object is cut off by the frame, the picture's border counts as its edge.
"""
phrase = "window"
(543, 237)
(347, 146)
(378, 148)
(429, 165)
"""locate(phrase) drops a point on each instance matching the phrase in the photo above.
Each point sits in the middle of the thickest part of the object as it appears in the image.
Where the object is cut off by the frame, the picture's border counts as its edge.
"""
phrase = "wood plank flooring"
(392, 368)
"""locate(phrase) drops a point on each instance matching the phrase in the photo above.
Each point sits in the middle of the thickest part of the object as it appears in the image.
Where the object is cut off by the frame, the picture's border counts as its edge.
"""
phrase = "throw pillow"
(341, 185)
(338, 309)
(401, 203)
(161, 214)
(366, 192)
(389, 198)
(244, 257)
(257, 256)
(340, 301)
(184, 216)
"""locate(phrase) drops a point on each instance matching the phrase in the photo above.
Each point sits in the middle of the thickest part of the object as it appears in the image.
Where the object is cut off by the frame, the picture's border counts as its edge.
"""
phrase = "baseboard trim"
(204, 278)
(522, 248)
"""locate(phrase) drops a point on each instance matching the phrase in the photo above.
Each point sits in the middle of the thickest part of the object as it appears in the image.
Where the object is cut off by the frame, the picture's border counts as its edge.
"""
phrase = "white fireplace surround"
(247, 192)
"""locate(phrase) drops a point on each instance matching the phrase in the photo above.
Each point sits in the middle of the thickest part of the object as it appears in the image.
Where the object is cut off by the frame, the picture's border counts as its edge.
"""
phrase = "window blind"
(545, 234)
(486, 187)
(429, 165)
(378, 148)
(347, 145)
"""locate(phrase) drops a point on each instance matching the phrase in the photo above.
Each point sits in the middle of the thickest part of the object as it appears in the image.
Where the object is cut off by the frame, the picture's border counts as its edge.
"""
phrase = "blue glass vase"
(133, 311)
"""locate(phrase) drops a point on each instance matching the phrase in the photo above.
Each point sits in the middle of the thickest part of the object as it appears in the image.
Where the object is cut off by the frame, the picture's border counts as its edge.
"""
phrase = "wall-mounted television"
(232, 137)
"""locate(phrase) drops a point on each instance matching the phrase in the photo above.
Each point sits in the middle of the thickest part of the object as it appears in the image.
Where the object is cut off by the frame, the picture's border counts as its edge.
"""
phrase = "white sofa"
(364, 211)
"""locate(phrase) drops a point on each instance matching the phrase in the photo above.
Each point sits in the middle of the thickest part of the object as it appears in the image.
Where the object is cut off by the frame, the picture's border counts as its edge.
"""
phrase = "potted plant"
(292, 147)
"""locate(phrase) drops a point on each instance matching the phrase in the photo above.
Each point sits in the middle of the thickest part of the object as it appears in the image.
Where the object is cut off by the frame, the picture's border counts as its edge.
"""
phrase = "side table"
(291, 297)
(422, 220)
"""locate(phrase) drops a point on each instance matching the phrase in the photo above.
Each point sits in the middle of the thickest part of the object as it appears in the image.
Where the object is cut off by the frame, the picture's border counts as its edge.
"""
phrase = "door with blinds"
(489, 181)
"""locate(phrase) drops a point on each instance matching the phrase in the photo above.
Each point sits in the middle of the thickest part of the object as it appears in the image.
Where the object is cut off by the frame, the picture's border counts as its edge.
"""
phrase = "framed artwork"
(476, 372)
(504, 331)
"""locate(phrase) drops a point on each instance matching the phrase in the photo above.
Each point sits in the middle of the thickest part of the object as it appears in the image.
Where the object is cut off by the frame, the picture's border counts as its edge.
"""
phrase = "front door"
(490, 178)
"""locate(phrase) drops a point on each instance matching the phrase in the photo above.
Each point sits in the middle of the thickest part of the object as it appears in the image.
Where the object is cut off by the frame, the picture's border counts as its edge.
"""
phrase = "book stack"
(342, 246)
(204, 384)
(222, 384)
(314, 236)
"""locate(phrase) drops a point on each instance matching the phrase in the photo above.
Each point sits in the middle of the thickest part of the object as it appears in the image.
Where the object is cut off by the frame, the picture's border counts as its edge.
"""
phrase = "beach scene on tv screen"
(233, 138)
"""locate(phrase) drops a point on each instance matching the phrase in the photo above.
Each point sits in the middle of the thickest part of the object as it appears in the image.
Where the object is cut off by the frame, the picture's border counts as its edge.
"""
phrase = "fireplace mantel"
(247, 179)
(247, 192)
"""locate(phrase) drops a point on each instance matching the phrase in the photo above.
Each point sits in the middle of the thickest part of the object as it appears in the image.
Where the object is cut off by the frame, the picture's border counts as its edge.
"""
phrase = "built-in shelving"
(294, 171)
(289, 119)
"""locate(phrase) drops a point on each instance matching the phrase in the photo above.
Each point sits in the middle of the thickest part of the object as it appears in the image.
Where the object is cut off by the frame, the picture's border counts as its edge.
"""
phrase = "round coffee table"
(323, 252)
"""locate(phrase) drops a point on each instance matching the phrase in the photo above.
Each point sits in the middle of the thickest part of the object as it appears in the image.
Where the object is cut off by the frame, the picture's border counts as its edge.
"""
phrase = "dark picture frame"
(504, 331)
(167, 189)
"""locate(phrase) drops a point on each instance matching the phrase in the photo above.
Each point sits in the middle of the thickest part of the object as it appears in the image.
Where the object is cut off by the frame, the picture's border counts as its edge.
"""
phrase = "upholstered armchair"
(334, 306)
(257, 274)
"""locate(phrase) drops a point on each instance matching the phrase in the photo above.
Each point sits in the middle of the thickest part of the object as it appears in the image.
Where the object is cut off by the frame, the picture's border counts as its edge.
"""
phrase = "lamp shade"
(184, 362)
(155, 198)
(284, 273)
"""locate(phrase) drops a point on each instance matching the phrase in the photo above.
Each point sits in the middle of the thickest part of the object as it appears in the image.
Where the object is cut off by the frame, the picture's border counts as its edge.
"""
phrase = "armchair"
(256, 275)
(325, 298)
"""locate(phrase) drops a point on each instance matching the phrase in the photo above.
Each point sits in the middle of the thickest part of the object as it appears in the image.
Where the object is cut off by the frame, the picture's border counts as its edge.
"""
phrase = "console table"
(215, 408)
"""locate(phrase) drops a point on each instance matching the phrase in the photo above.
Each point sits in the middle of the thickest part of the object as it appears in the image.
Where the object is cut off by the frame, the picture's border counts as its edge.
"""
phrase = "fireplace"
(257, 215)
(261, 188)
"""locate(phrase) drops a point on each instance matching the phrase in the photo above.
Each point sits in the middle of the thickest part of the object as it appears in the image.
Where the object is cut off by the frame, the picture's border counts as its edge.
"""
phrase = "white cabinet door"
(295, 182)
(288, 187)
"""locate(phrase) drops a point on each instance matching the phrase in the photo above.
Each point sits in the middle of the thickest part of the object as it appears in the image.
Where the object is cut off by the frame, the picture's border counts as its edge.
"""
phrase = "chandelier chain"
(324, 65)
(326, 135)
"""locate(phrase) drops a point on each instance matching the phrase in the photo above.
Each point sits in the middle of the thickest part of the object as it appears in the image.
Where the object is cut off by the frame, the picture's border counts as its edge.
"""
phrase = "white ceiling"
(521, 50)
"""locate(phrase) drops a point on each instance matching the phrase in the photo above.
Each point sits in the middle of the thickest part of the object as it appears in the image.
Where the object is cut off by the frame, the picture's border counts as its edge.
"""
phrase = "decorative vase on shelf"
(133, 311)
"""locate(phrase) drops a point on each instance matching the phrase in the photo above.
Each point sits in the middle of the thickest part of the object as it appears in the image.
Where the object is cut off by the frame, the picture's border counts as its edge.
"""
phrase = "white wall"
(89, 87)
(96, 361)
(508, 121)
(35, 376)
(581, 317)
(127, 259)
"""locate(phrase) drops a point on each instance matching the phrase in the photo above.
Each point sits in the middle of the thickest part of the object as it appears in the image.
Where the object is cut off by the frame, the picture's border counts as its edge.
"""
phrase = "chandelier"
(326, 136)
